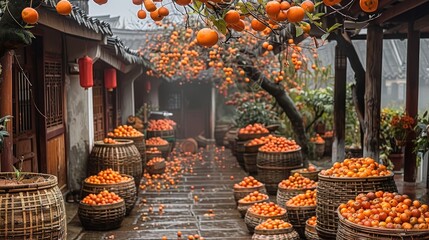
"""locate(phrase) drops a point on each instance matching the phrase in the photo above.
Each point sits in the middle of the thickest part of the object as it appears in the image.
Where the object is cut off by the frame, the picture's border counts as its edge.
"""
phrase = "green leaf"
(335, 26)
(197, 5)
(299, 31)
(317, 4)
(220, 24)
(325, 36)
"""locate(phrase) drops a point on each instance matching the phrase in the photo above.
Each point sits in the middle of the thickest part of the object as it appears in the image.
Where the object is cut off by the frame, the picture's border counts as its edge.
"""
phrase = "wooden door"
(98, 109)
(24, 127)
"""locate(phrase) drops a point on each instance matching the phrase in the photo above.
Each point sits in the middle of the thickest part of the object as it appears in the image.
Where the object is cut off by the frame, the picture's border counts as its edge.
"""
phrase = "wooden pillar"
(338, 146)
(412, 99)
(6, 109)
(374, 54)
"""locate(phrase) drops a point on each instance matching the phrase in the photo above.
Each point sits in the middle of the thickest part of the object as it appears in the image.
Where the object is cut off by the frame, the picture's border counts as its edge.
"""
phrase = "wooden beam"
(338, 146)
(412, 99)
(374, 54)
(355, 8)
(6, 109)
(398, 9)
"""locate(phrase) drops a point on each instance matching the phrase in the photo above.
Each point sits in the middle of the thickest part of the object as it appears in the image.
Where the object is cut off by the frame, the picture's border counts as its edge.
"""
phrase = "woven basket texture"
(165, 149)
(284, 194)
(161, 134)
(239, 149)
(351, 231)
(298, 217)
(123, 157)
(243, 206)
(310, 232)
(319, 149)
(32, 209)
(157, 168)
(331, 192)
(252, 149)
(240, 193)
(250, 162)
(126, 190)
(101, 217)
(280, 159)
(252, 220)
(140, 144)
(149, 156)
(310, 175)
(277, 234)
(272, 176)
(245, 137)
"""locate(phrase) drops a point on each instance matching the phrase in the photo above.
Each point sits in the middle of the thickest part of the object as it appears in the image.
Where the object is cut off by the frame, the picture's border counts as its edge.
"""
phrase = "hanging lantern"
(148, 86)
(110, 79)
(85, 72)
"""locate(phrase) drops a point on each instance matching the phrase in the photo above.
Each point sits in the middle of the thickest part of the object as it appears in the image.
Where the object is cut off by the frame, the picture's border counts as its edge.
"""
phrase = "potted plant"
(421, 143)
(401, 125)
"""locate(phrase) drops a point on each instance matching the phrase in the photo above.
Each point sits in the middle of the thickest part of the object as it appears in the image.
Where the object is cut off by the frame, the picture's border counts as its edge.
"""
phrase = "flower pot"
(398, 161)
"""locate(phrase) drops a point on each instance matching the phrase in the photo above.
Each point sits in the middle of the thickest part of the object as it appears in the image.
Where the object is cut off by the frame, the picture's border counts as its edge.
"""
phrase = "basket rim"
(248, 188)
(307, 224)
(296, 208)
(327, 178)
(277, 168)
(262, 216)
(121, 202)
(273, 231)
(129, 137)
(291, 151)
(50, 181)
(296, 189)
(308, 172)
(131, 179)
(379, 230)
(251, 203)
(119, 143)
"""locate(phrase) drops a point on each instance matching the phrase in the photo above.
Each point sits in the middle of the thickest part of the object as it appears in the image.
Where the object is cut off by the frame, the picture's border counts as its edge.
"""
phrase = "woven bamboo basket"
(277, 234)
(231, 135)
(220, 131)
(310, 175)
(123, 157)
(351, 231)
(272, 176)
(243, 206)
(165, 149)
(284, 194)
(126, 190)
(168, 135)
(241, 192)
(149, 156)
(157, 168)
(280, 159)
(101, 217)
(239, 149)
(140, 144)
(32, 209)
(252, 220)
(252, 149)
(332, 191)
(298, 217)
(319, 149)
(245, 137)
(310, 232)
(250, 162)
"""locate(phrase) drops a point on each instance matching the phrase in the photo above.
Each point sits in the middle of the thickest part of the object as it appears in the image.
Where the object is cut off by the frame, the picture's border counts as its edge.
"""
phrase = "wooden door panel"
(56, 159)
(25, 150)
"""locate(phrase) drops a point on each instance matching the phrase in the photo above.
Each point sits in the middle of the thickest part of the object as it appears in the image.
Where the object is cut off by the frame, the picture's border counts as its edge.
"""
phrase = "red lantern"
(148, 86)
(110, 79)
(85, 72)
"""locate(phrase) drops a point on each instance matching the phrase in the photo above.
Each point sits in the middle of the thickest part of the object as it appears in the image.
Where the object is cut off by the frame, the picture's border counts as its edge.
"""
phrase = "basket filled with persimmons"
(275, 229)
(300, 208)
(342, 182)
(112, 181)
(383, 215)
(252, 131)
(311, 172)
(276, 159)
(163, 128)
(292, 186)
(161, 144)
(310, 229)
(153, 152)
(130, 133)
(319, 145)
(156, 165)
(250, 199)
(101, 211)
(260, 212)
(251, 152)
(247, 185)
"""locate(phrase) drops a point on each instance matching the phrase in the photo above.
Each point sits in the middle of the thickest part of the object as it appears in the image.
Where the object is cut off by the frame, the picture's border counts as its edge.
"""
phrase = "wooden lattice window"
(54, 93)
(22, 103)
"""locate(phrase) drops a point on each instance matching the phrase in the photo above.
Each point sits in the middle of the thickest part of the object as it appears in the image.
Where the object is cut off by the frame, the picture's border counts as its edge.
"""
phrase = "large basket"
(278, 234)
(252, 220)
(239, 149)
(252, 149)
(310, 175)
(168, 135)
(250, 162)
(245, 137)
(126, 190)
(241, 192)
(284, 194)
(165, 149)
(33, 209)
(123, 157)
(280, 159)
(351, 231)
(140, 144)
(101, 217)
(298, 217)
(310, 232)
(157, 168)
(272, 176)
(332, 191)
(243, 206)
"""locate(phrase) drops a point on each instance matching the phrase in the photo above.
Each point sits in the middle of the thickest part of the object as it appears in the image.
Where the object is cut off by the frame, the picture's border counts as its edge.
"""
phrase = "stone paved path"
(212, 216)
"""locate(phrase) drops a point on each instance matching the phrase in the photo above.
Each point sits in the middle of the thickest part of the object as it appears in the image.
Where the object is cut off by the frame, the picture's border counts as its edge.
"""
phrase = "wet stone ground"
(200, 201)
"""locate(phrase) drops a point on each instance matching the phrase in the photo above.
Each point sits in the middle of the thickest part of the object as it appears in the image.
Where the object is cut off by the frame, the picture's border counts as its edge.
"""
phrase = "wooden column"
(338, 146)
(412, 99)
(374, 54)
(6, 109)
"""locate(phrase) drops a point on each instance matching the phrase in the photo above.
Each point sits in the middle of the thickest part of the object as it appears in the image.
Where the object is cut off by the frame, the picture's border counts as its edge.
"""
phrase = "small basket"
(241, 192)
(298, 217)
(242, 207)
(126, 190)
(149, 156)
(351, 231)
(284, 194)
(310, 232)
(249, 136)
(278, 234)
(252, 220)
(272, 176)
(157, 168)
(310, 175)
(252, 149)
(250, 162)
(165, 149)
(101, 217)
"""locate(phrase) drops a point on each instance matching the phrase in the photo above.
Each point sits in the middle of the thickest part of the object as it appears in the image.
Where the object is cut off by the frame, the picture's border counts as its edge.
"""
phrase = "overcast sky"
(123, 8)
